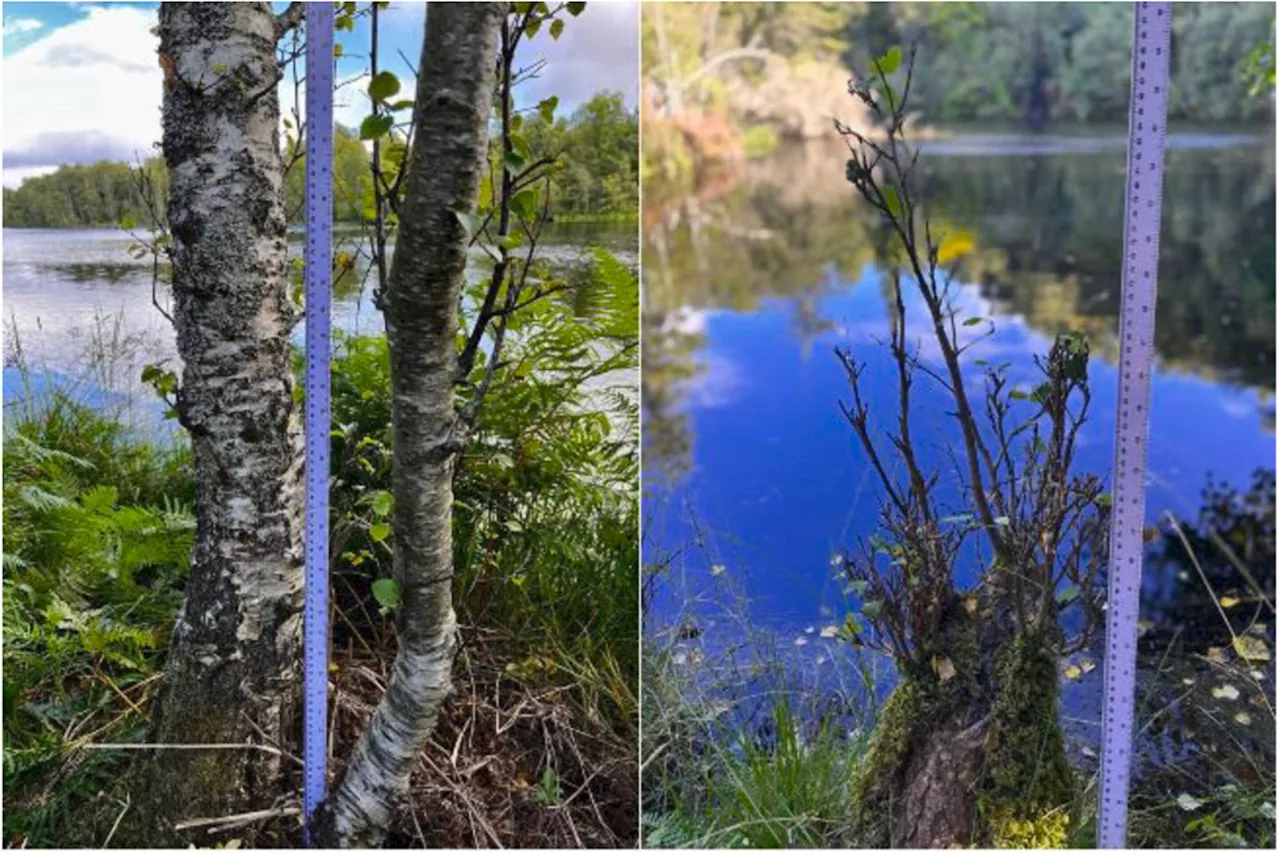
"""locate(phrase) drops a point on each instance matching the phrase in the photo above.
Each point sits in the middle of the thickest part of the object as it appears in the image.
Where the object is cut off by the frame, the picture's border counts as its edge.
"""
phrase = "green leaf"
(973, 321)
(557, 27)
(127, 223)
(892, 202)
(381, 503)
(525, 203)
(531, 28)
(575, 9)
(469, 222)
(379, 531)
(375, 126)
(387, 593)
(547, 108)
(1002, 521)
(891, 60)
(514, 162)
(383, 86)
(396, 106)
(1067, 594)
(872, 608)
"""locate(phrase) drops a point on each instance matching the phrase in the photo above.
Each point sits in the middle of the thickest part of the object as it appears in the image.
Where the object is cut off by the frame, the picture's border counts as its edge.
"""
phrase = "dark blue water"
(779, 474)
(753, 476)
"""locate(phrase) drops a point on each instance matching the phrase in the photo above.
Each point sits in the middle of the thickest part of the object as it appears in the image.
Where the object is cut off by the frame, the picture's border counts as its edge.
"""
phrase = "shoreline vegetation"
(744, 745)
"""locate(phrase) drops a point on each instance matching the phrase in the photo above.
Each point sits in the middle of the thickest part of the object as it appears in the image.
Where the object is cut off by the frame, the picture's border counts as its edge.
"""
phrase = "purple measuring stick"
(318, 269)
(1144, 182)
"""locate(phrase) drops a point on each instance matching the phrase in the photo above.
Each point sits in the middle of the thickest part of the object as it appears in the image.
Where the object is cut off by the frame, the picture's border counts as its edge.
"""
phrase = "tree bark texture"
(454, 98)
(231, 675)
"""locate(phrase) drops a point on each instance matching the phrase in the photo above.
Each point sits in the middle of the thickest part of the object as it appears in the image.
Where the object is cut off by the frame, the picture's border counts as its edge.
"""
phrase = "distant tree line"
(101, 193)
(598, 143)
(1050, 62)
(1038, 63)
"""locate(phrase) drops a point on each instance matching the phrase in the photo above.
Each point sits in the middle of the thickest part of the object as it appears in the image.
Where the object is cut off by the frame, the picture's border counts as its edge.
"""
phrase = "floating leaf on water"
(1251, 648)
(837, 559)
(1087, 665)
(717, 569)
(944, 668)
(1089, 751)
(1228, 601)
(1068, 594)
(1216, 654)
(801, 641)
(1072, 672)
(1226, 691)
(1189, 803)
(808, 630)
(1244, 718)
(1145, 626)
(830, 631)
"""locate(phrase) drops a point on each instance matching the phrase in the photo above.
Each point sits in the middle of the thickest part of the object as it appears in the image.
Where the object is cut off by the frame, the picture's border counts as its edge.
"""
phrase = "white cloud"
(21, 26)
(88, 90)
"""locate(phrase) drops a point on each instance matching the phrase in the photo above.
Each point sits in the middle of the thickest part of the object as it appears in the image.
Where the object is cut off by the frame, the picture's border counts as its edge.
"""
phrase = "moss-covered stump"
(1028, 782)
(955, 763)
(915, 787)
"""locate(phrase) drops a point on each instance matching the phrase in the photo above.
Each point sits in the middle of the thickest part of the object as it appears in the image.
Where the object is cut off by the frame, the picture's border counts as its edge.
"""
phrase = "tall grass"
(749, 739)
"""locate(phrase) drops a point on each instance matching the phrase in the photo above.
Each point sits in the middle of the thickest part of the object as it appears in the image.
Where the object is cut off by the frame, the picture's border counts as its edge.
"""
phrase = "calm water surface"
(78, 310)
(753, 474)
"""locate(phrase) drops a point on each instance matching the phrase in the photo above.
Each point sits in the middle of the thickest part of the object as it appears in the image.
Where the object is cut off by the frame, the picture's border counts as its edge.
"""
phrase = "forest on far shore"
(599, 179)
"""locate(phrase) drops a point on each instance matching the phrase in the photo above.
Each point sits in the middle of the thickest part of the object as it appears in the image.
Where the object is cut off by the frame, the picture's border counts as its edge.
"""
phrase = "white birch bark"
(231, 674)
(454, 97)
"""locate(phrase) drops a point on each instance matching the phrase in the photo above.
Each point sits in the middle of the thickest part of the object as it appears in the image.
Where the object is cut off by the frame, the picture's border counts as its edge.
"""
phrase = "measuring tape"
(1144, 178)
(318, 271)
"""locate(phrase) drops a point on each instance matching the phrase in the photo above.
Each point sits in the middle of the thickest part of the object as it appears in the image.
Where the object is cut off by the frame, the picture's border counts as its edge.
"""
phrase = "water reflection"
(1046, 226)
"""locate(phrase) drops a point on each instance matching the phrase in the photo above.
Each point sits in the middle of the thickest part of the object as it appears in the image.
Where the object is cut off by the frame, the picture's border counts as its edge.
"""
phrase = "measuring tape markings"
(318, 266)
(1144, 177)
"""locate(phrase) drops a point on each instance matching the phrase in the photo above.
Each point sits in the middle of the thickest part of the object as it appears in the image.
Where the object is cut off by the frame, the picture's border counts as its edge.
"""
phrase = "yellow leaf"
(1243, 718)
(1227, 691)
(1072, 672)
(1251, 648)
(955, 246)
(944, 668)
(971, 605)
(1228, 601)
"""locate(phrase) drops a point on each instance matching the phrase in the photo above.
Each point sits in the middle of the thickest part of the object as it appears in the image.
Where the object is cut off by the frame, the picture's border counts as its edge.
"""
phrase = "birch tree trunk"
(231, 673)
(454, 97)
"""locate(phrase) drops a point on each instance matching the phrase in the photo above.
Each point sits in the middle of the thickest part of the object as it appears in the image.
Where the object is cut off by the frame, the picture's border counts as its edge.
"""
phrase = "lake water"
(78, 311)
(753, 476)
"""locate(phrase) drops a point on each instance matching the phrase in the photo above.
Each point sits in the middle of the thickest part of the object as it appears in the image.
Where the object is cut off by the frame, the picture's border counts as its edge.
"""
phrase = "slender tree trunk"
(454, 97)
(231, 673)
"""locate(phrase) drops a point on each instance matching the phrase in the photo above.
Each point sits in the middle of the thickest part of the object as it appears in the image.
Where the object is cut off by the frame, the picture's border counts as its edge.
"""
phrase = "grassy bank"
(537, 746)
(754, 739)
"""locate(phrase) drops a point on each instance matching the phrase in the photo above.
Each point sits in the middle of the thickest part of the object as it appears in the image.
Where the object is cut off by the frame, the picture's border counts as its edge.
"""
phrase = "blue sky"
(81, 81)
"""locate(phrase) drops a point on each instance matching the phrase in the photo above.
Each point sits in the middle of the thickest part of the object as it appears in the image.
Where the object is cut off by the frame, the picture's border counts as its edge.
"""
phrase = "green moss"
(1027, 781)
(914, 708)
